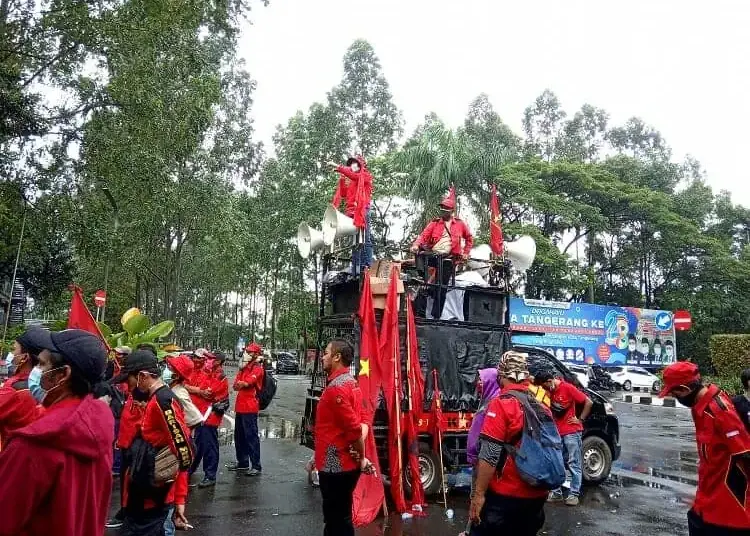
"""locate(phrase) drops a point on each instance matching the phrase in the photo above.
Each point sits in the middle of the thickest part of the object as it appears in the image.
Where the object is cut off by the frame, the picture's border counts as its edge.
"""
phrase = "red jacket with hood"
(56, 473)
(356, 191)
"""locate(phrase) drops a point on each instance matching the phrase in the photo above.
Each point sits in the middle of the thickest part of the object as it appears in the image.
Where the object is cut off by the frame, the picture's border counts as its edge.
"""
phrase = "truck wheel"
(429, 471)
(597, 460)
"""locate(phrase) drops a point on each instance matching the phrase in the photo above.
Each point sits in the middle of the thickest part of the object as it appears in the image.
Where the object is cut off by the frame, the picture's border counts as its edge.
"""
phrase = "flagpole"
(15, 273)
(440, 435)
(396, 394)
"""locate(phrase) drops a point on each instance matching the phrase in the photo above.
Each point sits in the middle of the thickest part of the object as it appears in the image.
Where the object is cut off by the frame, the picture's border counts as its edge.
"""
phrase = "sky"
(682, 66)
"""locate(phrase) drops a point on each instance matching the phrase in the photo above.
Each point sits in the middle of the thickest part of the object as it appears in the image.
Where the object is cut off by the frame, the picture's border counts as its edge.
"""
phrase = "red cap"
(680, 373)
(182, 365)
(254, 348)
(449, 201)
(17, 409)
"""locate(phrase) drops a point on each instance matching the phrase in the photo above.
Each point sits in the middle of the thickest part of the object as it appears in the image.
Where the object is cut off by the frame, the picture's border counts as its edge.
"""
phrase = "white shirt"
(193, 417)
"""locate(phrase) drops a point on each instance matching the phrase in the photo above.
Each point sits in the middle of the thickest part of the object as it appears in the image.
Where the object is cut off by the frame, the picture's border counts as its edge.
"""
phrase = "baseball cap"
(182, 364)
(253, 348)
(77, 347)
(680, 373)
(138, 361)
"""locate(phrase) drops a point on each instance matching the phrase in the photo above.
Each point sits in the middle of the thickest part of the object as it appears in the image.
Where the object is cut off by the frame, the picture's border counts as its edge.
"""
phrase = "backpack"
(538, 458)
(267, 390)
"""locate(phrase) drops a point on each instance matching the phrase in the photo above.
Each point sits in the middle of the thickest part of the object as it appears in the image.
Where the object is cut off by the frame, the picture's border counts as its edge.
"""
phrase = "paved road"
(649, 492)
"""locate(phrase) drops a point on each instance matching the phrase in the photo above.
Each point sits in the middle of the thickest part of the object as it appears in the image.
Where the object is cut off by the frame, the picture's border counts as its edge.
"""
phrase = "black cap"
(79, 348)
(220, 357)
(138, 361)
(33, 338)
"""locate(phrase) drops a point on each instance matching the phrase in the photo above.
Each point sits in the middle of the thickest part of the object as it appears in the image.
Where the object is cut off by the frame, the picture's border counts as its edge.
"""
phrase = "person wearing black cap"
(56, 473)
(24, 360)
(151, 488)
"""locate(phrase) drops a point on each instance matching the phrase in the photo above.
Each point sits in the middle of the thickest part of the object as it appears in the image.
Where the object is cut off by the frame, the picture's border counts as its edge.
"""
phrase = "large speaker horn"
(336, 225)
(521, 252)
(308, 240)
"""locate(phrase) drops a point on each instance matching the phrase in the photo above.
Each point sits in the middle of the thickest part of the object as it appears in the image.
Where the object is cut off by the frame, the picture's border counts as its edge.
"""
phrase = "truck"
(457, 349)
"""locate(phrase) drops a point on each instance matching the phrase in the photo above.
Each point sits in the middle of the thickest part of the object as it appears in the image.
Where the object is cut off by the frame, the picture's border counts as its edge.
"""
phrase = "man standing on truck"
(565, 397)
(502, 501)
(338, 430)
(722, 502)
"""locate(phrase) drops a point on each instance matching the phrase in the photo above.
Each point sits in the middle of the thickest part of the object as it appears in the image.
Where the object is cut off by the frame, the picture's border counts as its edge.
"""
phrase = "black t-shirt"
(742, 405)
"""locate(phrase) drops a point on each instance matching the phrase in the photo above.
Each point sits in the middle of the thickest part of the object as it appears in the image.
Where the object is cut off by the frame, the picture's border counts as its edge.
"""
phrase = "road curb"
(649, 400)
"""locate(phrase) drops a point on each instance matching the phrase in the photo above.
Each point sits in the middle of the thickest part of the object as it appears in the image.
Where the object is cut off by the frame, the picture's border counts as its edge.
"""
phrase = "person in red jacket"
(338, 434)
(24, 359)
(722, 501)
(502, 501)
(355, 188)
(248, 383)
(56, 473)
(17, 409)
(443, 242)
(208, 389)
(162, 426)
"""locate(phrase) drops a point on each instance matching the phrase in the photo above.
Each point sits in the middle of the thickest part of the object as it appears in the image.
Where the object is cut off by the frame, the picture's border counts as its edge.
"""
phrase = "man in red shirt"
(248, 382)
(162, 426)
(355, 188)
(207, 389)
(722, 502)
(565, 398)
(502, 502)
(441, 246)
(56, 473)
(338, 430)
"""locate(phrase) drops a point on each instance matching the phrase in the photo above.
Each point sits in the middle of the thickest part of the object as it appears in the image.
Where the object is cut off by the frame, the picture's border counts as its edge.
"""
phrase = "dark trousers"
(428, 264)
(206, 450)
(697, 527)
(246, 440)
(144, 523)
(337, 490)
(510, 515)
(116, 454)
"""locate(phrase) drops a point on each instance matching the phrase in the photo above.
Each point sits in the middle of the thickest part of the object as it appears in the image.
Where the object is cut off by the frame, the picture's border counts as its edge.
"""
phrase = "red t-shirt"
(723, 496)
(200, 380)
(566, 396)
(503, 423)
(338, 423)
(247, 397)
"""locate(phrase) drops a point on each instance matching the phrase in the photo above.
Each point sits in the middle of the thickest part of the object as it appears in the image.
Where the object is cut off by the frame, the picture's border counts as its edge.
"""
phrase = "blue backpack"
(538, 457)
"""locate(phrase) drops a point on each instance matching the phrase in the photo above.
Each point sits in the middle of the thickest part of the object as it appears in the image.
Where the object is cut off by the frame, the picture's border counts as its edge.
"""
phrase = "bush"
(730, 385)
(730, 354)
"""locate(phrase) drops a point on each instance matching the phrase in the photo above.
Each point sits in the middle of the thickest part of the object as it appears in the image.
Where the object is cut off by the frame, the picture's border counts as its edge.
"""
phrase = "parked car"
(628, 377)
(287, 363)
(581, 372)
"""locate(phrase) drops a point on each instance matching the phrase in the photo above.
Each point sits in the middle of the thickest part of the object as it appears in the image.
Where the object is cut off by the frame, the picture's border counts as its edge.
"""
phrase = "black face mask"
(139, 395)
(689, 399)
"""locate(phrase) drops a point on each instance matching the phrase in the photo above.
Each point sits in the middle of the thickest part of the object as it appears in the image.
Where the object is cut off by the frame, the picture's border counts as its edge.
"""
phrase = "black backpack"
(267, 390)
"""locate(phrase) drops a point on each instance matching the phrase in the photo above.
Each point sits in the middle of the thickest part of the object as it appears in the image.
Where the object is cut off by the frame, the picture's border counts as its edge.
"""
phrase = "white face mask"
(644, 348)
(657, 350)
(166, 375)
(9, 359)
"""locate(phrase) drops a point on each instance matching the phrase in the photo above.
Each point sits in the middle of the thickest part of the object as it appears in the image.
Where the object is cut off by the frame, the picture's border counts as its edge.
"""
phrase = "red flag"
(416, 399)
(369, 494)
(496, 229)
(390, 354)
(437, 411)
(80, 316)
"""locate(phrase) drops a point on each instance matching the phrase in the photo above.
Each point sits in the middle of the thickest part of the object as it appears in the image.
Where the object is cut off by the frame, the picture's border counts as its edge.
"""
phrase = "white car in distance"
(581, 372)
(629, 377)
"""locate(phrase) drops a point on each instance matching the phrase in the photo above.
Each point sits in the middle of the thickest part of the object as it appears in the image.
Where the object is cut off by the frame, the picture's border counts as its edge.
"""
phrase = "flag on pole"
(496, 229)
(80, 316)
(437, 411)
(416, 398)
(369, 495)
(390, 354)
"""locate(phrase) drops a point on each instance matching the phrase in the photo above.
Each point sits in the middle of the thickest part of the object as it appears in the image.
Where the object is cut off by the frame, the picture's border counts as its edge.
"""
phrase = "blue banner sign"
(591, 334)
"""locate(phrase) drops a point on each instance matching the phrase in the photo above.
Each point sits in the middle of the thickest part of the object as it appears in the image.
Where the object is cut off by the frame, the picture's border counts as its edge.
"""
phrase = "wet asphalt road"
(649, 492)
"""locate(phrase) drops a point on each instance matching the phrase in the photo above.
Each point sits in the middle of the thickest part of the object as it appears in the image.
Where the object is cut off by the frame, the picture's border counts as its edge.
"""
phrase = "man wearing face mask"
(632, 356)
(655, 358)
(56, 473)
(162, 432)
(722, 501)
(22, 360)
(177, 370)
(212, 390)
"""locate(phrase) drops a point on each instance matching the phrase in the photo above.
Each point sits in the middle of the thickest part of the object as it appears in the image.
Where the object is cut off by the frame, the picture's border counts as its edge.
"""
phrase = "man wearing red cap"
(447, 238)
(248, 382)
(722, 502)
(177, 372)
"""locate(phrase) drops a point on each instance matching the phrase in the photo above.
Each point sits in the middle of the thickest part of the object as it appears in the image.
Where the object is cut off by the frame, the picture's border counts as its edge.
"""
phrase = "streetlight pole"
(15, 272)
(115, 225)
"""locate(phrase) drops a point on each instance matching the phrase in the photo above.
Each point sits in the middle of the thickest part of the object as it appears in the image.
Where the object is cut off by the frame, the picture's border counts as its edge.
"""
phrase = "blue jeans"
(362, 254)
(206, 450)
(572, 453)
(169, 528)
(247, 440)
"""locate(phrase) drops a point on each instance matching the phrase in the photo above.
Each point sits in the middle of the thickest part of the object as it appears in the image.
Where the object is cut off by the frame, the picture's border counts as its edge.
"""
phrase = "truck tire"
(596, 460)
(429, 470)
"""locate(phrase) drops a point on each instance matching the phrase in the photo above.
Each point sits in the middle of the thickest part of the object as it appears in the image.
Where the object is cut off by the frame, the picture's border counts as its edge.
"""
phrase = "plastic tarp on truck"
(457, 352)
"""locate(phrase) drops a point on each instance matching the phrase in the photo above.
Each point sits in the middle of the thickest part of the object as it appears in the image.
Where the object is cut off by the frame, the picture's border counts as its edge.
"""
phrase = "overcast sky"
(682, 66)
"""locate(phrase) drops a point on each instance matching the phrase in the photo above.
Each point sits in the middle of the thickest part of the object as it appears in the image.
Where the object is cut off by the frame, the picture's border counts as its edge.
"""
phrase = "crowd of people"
(74, 417)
